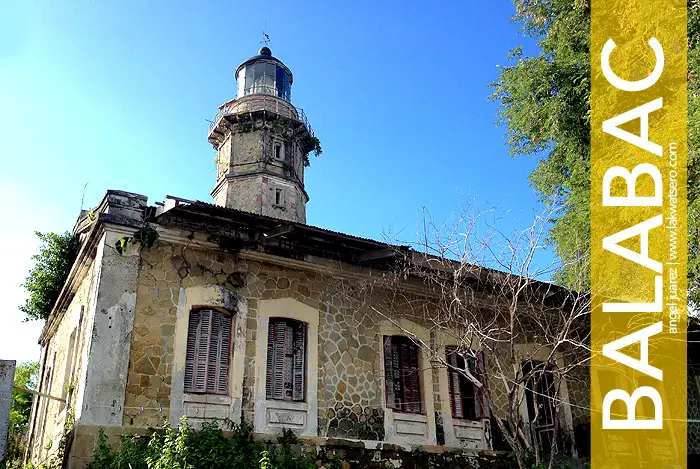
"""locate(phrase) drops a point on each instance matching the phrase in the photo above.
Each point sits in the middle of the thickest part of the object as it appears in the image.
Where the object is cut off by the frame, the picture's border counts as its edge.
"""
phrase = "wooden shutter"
(455, 388)
(286, 360)
(393, 371)
(413, 396)
(224, 355)
(275, 369)
(389, 373)
(269, 382)
(190, 357)
(480, 404)
(202, 350)
(405, 377)
(214, 352)
(208, 349)
(402, 378)
(299, 361)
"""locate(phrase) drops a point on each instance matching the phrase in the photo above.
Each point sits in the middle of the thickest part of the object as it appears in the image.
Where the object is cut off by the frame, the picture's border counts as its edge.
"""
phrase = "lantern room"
(264, 74)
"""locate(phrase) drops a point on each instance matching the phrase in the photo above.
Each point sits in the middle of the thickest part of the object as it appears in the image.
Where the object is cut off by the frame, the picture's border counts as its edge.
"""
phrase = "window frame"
(278, 155)
(192, 363)
(545, 396)
(279, 191)
(477, 406)
(414, 350)
(296, 368)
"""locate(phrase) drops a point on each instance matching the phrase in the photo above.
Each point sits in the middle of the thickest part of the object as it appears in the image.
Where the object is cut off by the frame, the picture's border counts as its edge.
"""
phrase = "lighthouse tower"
(262, 143)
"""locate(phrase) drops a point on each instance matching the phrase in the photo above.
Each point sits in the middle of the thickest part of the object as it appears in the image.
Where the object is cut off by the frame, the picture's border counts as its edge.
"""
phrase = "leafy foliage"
(147, 236)
(51, 268)
(184, 448)
(25, 376)
(313, 145)
(544, 102)
(20, 409)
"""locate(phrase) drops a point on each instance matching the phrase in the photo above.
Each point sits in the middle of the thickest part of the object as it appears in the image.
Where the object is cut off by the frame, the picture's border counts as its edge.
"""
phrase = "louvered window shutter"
(214, 352)
(202, 351)
(389, 373)
(191, 358)
(286, 360)
(455, 388)
(399, 397)
(402, 374)
(224, 355)
(299, 361)
(481, 406)
(275, 372)
(414, 394)
(270, 381)
(208, 348)
(407, 373)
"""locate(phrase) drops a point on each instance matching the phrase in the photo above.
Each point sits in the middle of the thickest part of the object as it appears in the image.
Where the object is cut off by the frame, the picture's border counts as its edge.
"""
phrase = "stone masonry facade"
(131, 330)
(349, 369)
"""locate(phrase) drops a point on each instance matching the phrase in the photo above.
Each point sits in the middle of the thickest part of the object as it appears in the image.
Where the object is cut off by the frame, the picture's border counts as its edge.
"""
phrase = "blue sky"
(116, 95)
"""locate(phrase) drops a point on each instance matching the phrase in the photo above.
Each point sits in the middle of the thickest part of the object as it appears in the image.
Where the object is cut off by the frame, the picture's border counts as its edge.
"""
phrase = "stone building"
(233, 310)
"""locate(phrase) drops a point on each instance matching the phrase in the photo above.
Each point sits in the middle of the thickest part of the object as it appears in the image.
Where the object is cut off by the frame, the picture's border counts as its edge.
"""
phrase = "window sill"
(287, 405)
(409, 417)
(466, 421)
(206, 398)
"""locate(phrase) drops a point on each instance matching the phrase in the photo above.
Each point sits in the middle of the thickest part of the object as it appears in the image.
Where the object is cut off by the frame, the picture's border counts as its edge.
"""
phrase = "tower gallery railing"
(261, 102)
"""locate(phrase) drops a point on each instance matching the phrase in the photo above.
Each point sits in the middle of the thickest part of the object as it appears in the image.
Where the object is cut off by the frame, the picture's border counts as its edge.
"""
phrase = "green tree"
(51, 268)
(544, 103)
(26, 377)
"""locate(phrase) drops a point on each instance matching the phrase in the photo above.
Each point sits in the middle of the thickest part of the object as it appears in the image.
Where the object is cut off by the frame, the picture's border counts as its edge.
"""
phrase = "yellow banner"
(638, 233)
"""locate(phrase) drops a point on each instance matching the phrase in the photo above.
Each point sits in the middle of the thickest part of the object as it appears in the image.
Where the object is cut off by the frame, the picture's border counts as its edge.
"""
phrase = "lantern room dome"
(264, 74)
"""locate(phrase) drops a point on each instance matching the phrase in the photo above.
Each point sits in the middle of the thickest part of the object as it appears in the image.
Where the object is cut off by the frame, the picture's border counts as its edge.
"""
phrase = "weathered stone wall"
(248, 171)
(349, 383)
(349, 367)
(50, 415)
(348, 370)
(223, 158)
(7, 374)
(385, 456)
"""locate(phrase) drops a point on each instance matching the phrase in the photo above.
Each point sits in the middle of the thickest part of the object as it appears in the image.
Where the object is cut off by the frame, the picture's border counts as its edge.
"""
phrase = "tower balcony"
(249, 106)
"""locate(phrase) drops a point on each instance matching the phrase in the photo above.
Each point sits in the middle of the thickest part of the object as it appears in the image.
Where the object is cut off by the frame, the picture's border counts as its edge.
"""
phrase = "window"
(68, 370)
(48, 382)
(540, 392)
(207, 359)
(278, 151)
(465, 398)
(286, 360)
(279, 196)
(402, 377)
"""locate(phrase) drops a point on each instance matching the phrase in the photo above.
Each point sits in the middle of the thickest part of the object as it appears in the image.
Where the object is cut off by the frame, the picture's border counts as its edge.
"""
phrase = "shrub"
(51, 268)
(184, 448)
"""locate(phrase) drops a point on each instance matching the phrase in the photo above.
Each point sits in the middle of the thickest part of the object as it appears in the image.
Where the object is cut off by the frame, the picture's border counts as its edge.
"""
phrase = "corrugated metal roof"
(302, 226)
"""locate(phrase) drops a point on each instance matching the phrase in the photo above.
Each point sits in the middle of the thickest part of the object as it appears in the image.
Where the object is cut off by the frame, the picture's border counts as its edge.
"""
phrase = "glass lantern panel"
(282, 81)
(259, 77)
(269, 80)
(240, 82)
(249, 79)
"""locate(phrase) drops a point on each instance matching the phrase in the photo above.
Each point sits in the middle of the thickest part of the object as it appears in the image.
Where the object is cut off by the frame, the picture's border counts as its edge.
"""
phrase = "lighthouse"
(262, 143)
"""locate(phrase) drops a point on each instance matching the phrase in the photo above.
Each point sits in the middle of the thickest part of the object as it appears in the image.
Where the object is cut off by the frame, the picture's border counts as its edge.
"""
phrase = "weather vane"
(266, 39)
